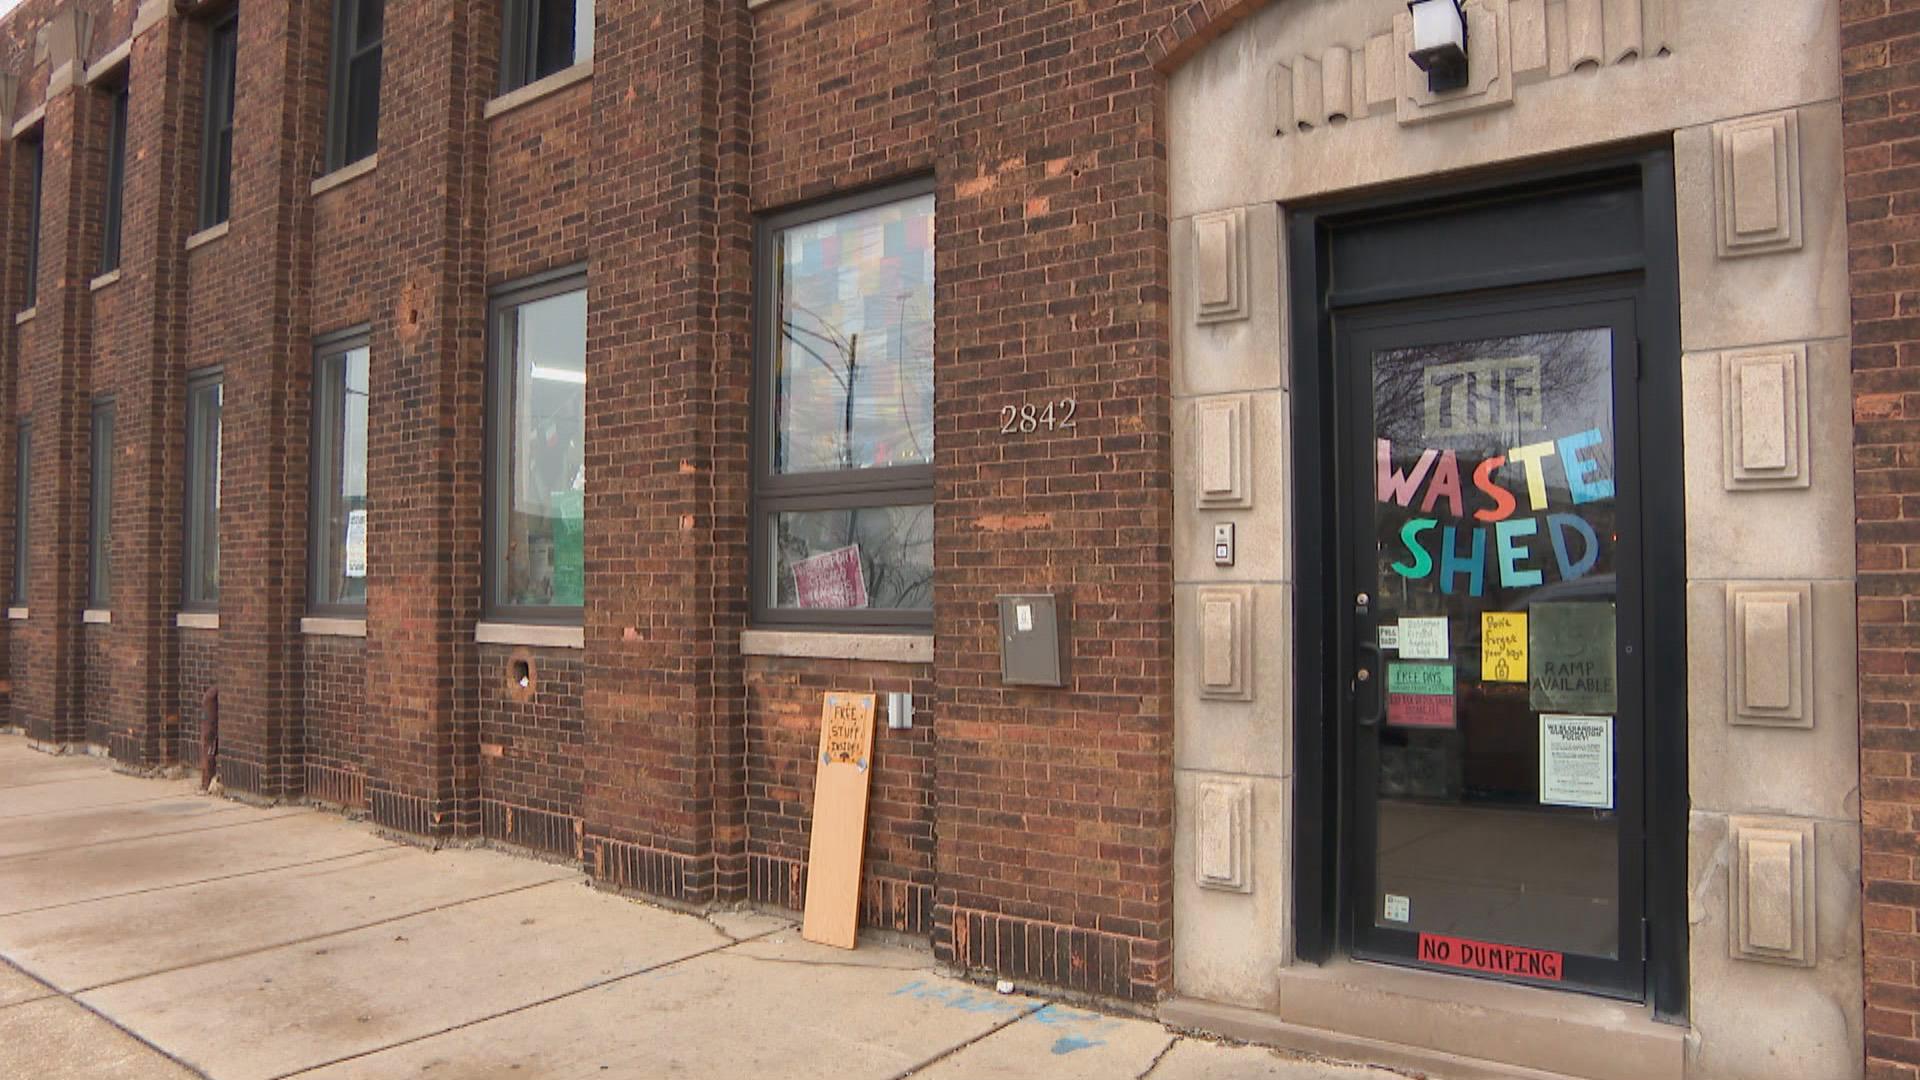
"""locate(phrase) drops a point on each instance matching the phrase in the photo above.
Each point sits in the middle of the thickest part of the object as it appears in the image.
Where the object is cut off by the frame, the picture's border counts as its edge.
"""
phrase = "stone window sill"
(325, 626)
(197, 620)
(540, 88)
(104, 280)
(829, 645)
(345, 174)
(100, 616)
(17, 614)
(22, 317)
(30, 121)
(208, 235)
(537, 635)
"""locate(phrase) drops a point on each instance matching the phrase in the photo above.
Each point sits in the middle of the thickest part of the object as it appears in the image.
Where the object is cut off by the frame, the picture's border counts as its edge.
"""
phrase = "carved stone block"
(1309, 94)
(1756, 178)
(1220, 266)
(1770, 655)
(1223, 427)
(1222, 829)
(1772, 891)
(1226, 642)
(1527, 20)
(1764, 418)
(1489, 67)
(1336, 80)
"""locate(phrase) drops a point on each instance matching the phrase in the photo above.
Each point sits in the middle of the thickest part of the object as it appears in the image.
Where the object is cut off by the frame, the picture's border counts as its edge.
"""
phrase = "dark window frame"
(773, 493)
(502, 299)
(329, 416)
(196, 488)
(22, 511)
(112, 213)
(346, 144)
(520, 31)
(37, 167)
(100, 507)
(216, 130)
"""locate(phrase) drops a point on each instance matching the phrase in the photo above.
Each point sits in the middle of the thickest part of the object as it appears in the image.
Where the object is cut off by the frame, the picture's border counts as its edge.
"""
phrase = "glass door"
(1491, 584)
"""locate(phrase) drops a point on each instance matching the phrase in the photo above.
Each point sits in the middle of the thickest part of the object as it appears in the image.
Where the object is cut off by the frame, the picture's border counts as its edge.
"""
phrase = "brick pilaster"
(55, 358)
(146, 379)
(666, 377)
(427, 376)
(266, 373)
(1054, 807)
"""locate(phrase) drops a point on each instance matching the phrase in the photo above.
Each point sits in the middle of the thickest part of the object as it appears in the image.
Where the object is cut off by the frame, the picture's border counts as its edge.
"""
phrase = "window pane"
(871, 557)
(554, 40)
(544, 395)
(116, 183)
(363, 106)
(854, 362)
(582, 30)
(203, 494)
(100, 521)
(216, 152)
(34, 163)
(340, 502)
(368, 15)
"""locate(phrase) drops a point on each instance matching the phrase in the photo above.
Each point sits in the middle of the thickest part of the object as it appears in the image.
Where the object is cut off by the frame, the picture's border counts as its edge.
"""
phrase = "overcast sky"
(8, 5)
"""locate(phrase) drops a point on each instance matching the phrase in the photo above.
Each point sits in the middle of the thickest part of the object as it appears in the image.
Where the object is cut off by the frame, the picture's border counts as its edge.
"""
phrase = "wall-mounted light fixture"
(1440, 43)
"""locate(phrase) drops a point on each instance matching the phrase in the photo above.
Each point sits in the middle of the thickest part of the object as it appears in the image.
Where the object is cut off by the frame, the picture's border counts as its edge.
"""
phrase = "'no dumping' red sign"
(1494, 959)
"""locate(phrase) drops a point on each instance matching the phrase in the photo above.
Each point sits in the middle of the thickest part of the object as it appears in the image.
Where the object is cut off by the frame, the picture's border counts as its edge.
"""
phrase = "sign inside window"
(831, 580)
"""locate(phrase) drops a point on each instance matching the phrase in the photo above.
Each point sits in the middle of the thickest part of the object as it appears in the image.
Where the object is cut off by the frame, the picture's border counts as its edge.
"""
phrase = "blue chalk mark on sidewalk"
(1067, 1044)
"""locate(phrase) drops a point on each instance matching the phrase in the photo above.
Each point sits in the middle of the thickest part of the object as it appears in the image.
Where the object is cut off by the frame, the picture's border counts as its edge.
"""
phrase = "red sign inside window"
(1494, 959)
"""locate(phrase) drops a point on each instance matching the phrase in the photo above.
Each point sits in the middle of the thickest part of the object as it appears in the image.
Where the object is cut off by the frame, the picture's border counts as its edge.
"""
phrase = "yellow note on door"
(1503, 646)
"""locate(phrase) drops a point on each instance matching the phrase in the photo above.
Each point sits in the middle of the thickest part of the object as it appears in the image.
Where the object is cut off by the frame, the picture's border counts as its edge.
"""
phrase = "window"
(216, 138)
(843, 474)
(35, 152)
(100, 511)
(543, 37)
(338, 516)
(116, 184)
(22, 503)
(536, 429)
(202, 591)
(353, 107)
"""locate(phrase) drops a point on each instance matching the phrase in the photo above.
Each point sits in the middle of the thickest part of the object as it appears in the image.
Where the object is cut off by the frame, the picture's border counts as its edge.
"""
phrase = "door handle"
(1367, 677)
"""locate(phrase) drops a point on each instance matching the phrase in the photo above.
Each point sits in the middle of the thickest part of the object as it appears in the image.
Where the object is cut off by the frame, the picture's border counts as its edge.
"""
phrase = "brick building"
(1453, 484)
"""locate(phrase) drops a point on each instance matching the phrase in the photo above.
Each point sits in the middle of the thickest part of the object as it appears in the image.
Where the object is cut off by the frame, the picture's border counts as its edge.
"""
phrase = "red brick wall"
(333, 688)
(531, 753)
(1051, 809)
(97, 692)
(1881, 64)
(1055, 813)
(843, 97)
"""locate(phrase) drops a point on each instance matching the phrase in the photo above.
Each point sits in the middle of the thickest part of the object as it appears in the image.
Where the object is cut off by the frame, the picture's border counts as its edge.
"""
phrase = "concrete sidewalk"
(150, 931)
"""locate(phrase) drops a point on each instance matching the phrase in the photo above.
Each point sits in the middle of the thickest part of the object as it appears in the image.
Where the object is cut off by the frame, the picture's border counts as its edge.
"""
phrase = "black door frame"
(1323, 816)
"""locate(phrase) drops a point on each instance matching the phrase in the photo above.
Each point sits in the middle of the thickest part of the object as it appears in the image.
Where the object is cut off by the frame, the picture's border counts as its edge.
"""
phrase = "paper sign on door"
(1503, 646)
(1420, 695)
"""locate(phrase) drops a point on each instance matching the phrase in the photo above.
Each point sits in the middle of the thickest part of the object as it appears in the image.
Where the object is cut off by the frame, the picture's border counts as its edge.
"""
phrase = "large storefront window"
(536, 429)
(844, 481)
(339, 512)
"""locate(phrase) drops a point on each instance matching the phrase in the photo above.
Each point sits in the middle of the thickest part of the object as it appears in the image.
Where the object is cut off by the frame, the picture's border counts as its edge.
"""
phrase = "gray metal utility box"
(1033, 640)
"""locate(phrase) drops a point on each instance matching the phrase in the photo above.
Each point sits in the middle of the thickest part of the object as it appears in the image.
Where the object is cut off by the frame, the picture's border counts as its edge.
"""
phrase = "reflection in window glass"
(854, 368)
(203, 493)
(540, 413)
(340, 479)
(872, 557)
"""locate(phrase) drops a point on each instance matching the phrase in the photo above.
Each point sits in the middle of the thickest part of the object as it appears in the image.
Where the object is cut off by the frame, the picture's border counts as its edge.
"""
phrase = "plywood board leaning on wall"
(839, 820)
